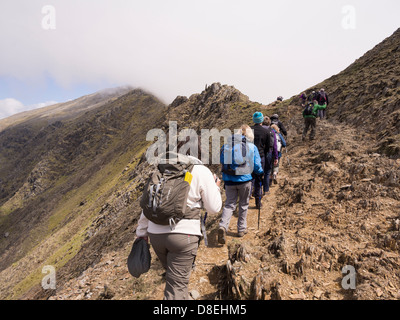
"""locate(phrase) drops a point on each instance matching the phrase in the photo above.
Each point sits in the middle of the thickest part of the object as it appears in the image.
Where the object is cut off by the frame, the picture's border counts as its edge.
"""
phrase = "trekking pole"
(203, 229)
(259, 206)
(288, 160)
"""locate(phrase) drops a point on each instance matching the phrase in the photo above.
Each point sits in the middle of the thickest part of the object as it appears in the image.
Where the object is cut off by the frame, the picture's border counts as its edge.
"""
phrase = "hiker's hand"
(217, 181)
(276, 162)
(144, 238)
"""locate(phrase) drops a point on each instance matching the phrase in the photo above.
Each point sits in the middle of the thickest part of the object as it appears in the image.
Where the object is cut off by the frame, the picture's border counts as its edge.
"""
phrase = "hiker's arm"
(283, 129)
(283, 142)
(141, 230)
(210, 192)
(275, 148)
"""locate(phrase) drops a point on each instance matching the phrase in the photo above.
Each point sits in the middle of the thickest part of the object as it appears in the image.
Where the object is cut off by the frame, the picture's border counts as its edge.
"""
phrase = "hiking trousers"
(258, 182)
(241, 191)
(322, 114)
(177, 253)
(268, 167)
(309, 123)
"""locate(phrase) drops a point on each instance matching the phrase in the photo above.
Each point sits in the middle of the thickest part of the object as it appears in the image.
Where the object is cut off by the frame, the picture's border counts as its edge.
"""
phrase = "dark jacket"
(262, 139)
(273, 142)
(321, 100)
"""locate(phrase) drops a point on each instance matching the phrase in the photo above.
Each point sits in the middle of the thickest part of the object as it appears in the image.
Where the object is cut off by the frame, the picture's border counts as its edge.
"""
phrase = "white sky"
(175, 47)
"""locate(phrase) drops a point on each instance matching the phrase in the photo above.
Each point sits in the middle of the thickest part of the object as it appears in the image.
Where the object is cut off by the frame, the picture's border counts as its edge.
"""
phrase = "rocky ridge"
(337, 202)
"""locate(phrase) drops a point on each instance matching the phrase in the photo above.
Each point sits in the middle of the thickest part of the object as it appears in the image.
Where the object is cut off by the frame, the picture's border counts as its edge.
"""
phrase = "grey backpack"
(164, 199)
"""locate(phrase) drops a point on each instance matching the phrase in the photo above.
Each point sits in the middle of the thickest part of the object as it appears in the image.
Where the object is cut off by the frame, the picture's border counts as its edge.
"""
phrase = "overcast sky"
(176, 47)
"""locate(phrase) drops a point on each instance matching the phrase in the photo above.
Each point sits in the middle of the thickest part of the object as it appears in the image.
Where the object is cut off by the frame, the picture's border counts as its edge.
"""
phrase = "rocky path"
(336, 204)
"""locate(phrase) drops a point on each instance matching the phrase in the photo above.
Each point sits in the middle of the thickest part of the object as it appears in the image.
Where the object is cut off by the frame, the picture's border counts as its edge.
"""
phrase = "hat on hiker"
(275, 116)
(258, 118)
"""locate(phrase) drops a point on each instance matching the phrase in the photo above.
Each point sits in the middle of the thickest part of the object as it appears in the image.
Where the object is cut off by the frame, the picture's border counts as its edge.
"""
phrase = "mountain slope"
(58, 175)
(76, 204)
(366, 95)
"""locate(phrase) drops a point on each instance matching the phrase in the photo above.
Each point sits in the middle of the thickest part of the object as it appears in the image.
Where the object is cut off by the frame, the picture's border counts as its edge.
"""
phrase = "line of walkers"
(265, 142)
(178, 190)
(315, 105)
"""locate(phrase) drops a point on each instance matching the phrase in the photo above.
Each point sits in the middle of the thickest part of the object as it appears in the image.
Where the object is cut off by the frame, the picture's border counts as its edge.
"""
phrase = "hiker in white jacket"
(177, 248)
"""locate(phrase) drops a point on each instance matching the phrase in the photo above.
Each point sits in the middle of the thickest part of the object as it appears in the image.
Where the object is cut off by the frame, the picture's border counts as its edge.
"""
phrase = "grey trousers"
(176, 253)
(242, 192)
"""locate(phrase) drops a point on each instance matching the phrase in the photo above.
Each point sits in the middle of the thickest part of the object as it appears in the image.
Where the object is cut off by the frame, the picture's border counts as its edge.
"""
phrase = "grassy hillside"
(57, 177)
(71, 175)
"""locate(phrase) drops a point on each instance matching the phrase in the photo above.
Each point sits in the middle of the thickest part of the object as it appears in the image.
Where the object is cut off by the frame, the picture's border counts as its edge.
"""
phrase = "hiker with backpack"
(310, 119)
(323, 102)
(281, 143)
(313, 97)
(240, 159)
(275, 120)
(262, 140)
(172, 202)
(269, 163)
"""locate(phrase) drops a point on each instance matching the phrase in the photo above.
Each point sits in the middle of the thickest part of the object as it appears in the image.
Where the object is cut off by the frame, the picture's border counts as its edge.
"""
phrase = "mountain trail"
(333, 206)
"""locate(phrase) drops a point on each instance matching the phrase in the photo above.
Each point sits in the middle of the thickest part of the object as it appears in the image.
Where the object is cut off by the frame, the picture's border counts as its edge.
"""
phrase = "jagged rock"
(194, 294)
(239, 252)
(285, 267)
(257, 288)
(299, 296)
(300, 266)
(179, 100)
(275, 289)
(215, 87)
(107, 294)
(277, 247)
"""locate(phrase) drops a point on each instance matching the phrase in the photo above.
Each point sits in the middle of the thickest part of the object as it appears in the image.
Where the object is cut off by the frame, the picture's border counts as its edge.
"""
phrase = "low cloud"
(175, 47)
(11, 106)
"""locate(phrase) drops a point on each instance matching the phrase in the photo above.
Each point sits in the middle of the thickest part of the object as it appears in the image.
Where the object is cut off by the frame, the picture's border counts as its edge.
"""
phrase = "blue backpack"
(236, 159)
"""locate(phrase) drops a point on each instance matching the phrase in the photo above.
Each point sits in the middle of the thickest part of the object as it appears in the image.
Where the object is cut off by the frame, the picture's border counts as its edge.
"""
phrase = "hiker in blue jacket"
(239, 159)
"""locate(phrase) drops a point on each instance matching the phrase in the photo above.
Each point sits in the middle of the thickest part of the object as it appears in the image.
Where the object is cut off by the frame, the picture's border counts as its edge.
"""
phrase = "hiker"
(281, 143)
(176, 244)
(310, 115)
(280, 98)
(303, 98)
(313, 97)
(272, 155)
(262, 140)
(239, 159)
(323, 102)
(275, 120)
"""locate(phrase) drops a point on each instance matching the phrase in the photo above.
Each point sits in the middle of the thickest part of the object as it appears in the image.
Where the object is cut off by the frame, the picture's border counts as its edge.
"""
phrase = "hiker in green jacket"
(310, 118)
